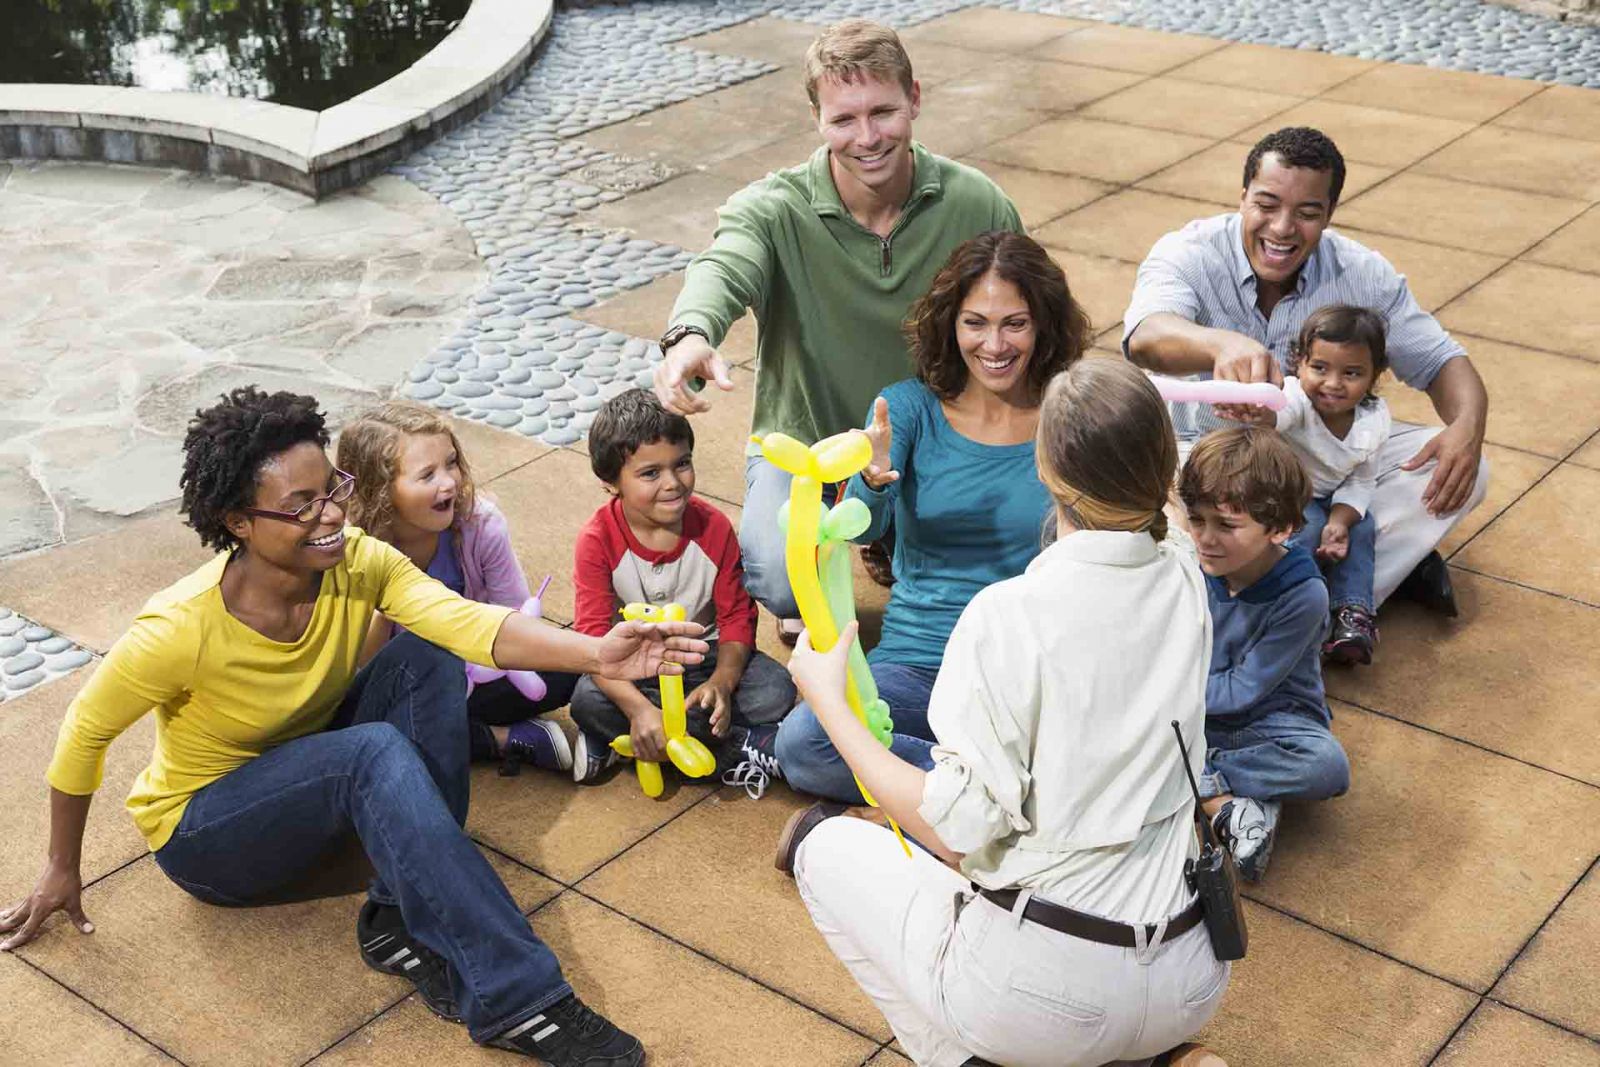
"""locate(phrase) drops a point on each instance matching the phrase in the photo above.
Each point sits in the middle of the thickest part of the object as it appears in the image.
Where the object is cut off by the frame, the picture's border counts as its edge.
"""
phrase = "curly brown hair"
(1061, 326)
(1250, 468)
(370, 448)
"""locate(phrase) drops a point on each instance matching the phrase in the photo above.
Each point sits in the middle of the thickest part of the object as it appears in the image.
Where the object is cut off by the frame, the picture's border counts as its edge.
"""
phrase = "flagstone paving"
(1445, 911)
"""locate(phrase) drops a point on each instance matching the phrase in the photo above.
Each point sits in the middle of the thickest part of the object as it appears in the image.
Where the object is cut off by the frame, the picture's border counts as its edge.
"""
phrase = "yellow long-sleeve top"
(223, 694)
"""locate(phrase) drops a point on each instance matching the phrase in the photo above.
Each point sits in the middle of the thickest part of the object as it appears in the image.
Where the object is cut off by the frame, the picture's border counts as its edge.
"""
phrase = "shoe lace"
(750, 776)
(582, 1019)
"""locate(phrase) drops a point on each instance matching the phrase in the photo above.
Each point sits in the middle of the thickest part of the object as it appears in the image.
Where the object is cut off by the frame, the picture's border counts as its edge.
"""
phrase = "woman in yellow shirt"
(271, 745)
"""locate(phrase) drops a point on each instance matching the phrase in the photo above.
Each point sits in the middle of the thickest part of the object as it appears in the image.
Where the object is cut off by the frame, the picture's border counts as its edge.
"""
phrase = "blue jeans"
(811, 764)
(761, 541)
(1283, 755)
(392, 766)
(764, 695)
(1349, 580)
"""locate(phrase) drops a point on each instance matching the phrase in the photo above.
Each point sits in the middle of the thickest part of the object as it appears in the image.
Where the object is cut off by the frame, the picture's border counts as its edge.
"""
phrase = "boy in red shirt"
(653, 542)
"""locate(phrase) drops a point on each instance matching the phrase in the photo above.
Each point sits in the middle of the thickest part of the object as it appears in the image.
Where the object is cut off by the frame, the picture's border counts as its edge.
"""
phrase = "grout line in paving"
(1560, 462)
(1544, 1019)
(118, 869)
(37, 969)
(1525, 585)
(725, 965)
(1518, 955)
(1480, 746)
(1451, 1036)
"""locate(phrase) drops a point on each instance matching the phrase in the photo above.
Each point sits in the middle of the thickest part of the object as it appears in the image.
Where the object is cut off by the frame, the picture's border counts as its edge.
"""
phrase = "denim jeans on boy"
(761, 540)
(392, 766)
(765, 694)
(811, 764)
(1282, 755)
(1349, 580)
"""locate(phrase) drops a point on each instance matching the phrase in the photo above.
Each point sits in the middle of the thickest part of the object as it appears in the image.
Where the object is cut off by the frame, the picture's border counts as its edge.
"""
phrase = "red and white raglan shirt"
(703, 573)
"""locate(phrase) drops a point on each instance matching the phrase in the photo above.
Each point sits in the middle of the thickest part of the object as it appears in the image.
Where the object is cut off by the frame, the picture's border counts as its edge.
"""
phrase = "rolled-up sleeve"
(1165, 284)
(428, 609)
(984, 694)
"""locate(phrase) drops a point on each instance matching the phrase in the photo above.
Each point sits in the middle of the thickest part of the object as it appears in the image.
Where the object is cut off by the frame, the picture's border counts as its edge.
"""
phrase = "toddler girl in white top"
(1337, 425)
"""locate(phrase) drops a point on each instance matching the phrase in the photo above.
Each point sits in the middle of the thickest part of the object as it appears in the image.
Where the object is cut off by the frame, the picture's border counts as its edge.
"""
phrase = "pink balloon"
(1211, 391)
(528, 683)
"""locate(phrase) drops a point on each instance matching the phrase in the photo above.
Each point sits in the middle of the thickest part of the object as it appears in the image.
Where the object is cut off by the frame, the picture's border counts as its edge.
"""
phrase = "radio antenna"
(1210, 833)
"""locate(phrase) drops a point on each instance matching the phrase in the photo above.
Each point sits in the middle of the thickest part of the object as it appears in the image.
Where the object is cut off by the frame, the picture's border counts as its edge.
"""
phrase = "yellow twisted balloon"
(830, 460)
(687, 753)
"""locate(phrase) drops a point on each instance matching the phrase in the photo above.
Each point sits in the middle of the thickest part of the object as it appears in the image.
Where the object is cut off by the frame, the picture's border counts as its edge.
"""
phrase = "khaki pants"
(956, 976)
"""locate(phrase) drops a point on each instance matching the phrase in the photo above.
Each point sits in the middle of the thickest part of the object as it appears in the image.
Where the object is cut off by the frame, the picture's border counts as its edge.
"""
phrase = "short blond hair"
(853, 49)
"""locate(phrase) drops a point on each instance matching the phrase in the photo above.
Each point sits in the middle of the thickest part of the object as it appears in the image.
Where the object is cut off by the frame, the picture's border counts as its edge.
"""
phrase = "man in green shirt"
(829, 255)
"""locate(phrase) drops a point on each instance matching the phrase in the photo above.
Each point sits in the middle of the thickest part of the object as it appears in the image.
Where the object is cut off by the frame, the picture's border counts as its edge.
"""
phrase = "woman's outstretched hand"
(820, 676)
(635, 650)
(58, 889)
(878, 473)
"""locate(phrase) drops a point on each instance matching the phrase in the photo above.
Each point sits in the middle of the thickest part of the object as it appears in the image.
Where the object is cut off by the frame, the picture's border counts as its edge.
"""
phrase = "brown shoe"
(795, 830)
(1189, 1054)
(878, 558)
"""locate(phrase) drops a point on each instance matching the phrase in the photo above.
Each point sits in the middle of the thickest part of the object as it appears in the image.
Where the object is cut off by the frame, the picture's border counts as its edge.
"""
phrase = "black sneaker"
(590, 758)
(387, 947)
(1429, 585)
(569, 1034)
(749, 758)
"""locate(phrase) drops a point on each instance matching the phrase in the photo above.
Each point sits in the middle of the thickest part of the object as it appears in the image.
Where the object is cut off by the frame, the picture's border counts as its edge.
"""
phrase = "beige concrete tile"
(27, 741)
(1106, 151)
(646, 311)
(1554, 976)
(1127, 48)
(777, 99)
(1040, 195)
(1435, 274)
(1511, 473)
(720, 436)
(788, 151)
(1576, 246)
(990, 30)
(1039, 85)
(1496, 1036)
(1369, 134)
(680, 211)
(1283, 70)
(1532, 305)
(1538, 402)
(1449, 94)
(90, 590)
(887, 1058)
(1589, 454)
(934, 63)
(410, 1036)
(43, 1021)
(779, 41)
(1122, 226)
(1101, 285)
(1548, 538)
(652, 987)
(493, 452)
(960, 124)
(723, 850)
(1521, 159)
(1169, 103)
(685, 136)
(1503, 653)
(1456, 856)
(1217, 174)
(1303, 997)
(1460, 214)
(566, 830)
(1561, 109)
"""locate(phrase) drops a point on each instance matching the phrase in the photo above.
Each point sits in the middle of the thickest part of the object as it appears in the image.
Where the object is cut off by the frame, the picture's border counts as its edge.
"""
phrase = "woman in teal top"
(953, 467)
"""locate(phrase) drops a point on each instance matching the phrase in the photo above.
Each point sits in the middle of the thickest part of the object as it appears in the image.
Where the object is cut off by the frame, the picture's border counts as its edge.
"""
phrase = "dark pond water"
(308, 53)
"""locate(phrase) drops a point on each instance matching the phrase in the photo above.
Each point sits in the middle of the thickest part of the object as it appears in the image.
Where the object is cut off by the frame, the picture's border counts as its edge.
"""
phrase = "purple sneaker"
(538, 742)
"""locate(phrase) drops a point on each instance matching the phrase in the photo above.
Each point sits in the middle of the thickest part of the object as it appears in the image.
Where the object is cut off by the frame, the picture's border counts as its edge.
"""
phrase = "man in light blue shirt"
(1225, 297)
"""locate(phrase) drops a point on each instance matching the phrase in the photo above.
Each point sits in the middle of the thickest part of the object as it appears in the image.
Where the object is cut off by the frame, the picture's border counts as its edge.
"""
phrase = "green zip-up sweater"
(830, 295)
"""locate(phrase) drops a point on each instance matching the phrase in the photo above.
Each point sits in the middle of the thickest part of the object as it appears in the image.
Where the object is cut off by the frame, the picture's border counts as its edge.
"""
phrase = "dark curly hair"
(1061, 326)
(1343, 325)
(626, 423)
(226, 446)
(1300, 146)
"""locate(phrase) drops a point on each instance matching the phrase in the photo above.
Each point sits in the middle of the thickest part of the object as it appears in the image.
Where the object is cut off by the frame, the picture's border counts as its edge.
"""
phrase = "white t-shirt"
(1346, 470)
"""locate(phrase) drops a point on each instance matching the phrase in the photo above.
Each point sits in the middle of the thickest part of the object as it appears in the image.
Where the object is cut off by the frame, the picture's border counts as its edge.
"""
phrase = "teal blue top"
(966, 515)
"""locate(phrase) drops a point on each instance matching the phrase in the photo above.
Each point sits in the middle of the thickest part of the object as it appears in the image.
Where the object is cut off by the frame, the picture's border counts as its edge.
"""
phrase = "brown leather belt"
(1090, 927)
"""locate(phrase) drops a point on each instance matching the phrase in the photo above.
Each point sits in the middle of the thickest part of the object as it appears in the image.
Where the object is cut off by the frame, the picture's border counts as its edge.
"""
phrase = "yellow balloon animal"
(686, 753)
(817, 556)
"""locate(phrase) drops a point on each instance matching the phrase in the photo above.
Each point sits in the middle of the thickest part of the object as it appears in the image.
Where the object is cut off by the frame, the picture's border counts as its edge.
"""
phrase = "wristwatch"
(679, 332)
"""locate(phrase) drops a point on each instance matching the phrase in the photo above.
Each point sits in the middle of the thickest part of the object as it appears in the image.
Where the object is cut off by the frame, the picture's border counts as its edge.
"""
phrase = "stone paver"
(1440, 913)
(31, 654)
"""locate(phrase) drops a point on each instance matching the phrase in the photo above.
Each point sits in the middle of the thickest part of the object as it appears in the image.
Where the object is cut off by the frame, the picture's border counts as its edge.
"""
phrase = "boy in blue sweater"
(1267, 723)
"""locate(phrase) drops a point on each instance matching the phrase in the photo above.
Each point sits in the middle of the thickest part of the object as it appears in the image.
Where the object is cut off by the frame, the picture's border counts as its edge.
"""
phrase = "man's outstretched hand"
(691, 358)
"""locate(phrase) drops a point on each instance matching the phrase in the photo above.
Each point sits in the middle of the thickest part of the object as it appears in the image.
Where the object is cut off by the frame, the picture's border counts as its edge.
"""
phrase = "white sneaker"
(587, 762)
(1249, 828)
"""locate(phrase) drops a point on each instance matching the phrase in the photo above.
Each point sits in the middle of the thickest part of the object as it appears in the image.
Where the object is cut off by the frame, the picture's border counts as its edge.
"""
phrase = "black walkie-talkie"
(1214, 879)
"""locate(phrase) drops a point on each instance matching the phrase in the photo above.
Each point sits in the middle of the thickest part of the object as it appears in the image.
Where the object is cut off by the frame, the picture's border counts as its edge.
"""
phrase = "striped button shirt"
(1201, 273)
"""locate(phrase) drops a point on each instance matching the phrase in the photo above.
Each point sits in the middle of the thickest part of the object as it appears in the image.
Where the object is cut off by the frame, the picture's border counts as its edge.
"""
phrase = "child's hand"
(878, 473)
(821, 675)
(648, 735)
(715, 695)
(1335, 542)
(1249, 414)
